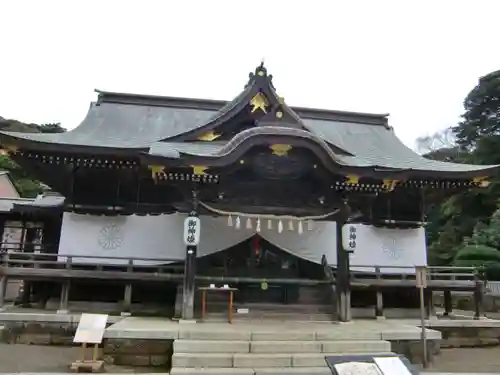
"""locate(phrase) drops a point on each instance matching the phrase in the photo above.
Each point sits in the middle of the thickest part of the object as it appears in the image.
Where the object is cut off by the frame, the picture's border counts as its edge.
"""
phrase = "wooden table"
(230, 292)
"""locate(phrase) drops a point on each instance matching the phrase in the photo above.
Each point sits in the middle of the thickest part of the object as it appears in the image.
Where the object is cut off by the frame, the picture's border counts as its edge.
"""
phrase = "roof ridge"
(215, 105)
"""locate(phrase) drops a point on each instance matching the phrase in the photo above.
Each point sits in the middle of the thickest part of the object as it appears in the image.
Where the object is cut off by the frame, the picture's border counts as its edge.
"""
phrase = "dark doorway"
(260, 260)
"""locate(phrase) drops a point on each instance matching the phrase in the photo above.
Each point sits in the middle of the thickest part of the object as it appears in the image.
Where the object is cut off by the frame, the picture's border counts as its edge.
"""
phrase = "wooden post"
(127, 298)
(429, 303)
(479, 299)
(63, 304)
(379, 308)
(448, 305)
(3, 290)
(189, 283)
(343, 278)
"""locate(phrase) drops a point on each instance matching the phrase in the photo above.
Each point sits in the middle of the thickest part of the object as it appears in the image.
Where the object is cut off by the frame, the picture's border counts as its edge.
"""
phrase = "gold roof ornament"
(389, 185)
(9, 150)
(209, 136)
(199, 170)
(352, 179)
(482, 181)
(259, 101)
(280, 149)
(157, 171)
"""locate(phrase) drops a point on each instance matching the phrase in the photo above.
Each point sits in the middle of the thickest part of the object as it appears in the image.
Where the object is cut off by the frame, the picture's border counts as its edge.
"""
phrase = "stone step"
(275, 307)
(252, 360)
(233, 346)
(251, 371)
(270, 315)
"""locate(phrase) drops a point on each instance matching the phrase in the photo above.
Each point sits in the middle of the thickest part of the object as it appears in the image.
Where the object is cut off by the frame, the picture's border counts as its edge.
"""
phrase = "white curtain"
(161, 237)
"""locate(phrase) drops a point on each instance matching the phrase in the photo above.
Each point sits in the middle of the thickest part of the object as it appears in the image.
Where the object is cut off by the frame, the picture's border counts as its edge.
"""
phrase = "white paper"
(392, 366)
(357, 368)
(90, 329)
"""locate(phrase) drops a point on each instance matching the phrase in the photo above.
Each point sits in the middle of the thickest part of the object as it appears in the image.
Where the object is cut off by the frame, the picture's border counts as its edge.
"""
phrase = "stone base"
(187, 321)
(87, 366)
(138, 352)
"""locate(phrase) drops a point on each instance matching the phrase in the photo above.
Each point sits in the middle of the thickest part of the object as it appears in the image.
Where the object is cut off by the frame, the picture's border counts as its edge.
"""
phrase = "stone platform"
(264, 347)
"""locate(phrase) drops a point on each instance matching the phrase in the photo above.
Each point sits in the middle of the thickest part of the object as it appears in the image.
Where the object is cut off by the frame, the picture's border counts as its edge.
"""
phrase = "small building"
(282, 192)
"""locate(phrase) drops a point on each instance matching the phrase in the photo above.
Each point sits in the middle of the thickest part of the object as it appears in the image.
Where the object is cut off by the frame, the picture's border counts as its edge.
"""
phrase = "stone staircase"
(250, 352)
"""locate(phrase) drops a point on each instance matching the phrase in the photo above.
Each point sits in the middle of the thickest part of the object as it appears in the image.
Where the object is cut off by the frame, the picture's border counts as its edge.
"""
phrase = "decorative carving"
(199, 170)
(274, 167)
(157, 172)
(259, 101)
(279, 114)
(389, 185)
(10, 150)
(110, 237)
(280, 149)
(209, 136)
(481, 181)
(352, 179)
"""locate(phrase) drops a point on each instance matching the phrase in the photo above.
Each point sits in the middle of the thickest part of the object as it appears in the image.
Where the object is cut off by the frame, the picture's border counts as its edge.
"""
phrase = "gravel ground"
(33, 358)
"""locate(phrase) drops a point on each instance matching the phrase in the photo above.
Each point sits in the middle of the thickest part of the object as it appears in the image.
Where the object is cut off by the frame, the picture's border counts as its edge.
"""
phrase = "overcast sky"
(413, 59)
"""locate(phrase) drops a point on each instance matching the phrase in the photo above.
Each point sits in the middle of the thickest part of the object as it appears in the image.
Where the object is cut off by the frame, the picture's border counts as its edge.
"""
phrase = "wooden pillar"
(429, 303)
(63, 304)
(479, 299)
(189, 283)
(379, 307)
(3, 290)
(127, 298)
(448, 306)
(343, 278)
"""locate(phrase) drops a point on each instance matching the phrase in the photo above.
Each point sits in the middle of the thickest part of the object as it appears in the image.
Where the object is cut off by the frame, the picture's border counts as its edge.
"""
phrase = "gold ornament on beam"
(10, 150)
(259, 101)
(280, 150)
(481, 181)
(199, 170)
(157, 171)
(389, 185)
(209, 136)
(352, 179)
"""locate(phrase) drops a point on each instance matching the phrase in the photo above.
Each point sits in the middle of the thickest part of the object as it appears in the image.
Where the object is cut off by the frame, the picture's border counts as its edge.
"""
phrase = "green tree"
(27, 187)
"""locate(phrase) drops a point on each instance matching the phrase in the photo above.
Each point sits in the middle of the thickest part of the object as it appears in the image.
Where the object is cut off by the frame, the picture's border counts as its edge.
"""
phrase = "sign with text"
(349, 237)
(90, 329)
(421, 277)
(192, 231)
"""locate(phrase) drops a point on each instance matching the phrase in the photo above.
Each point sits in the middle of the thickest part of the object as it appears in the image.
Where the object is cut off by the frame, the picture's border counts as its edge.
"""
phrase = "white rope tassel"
(238, 223)
(309, 224)
(270, 224)
(290, 225)
(229, 221)
(280, 226)
(257, 226)
(249, 223)
(299, 227)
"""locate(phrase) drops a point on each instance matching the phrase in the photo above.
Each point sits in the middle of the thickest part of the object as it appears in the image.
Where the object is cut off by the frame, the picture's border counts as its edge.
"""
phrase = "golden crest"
(199, 170)
(352, 179)
(10, 150)
(157, 171)
(259, 101)
(209, 136)
(389, 184)
(481, 181)
(280, 149)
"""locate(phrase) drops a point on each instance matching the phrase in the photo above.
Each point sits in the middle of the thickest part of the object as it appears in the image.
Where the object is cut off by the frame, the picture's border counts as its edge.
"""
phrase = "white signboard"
(90, 329)
(349, 237)
(192, 231)
(392, 366)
